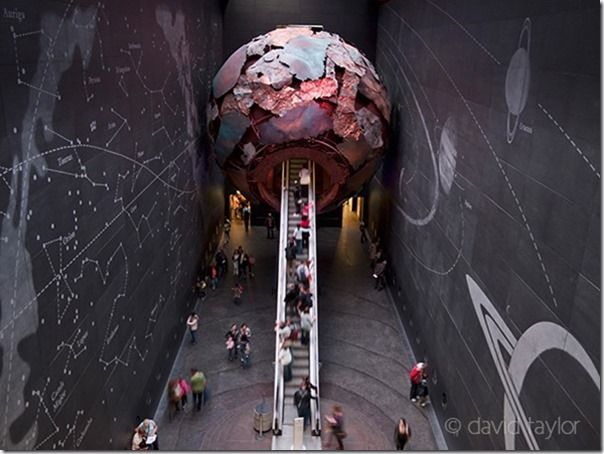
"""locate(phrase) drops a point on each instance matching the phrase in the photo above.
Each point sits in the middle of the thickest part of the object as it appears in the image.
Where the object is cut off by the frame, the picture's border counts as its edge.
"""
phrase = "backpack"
(298, 398)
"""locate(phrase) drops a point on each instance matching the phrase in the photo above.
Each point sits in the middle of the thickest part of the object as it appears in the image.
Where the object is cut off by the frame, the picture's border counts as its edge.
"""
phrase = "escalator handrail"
(314, 333)
(278, 400)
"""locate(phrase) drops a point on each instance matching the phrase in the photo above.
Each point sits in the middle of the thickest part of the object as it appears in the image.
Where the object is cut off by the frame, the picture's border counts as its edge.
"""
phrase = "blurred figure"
(363, 232)
(335, 422)
(402, 433)
(198, 387)
(270, 226)
(246, 216)
(227, 231)
(184, 391)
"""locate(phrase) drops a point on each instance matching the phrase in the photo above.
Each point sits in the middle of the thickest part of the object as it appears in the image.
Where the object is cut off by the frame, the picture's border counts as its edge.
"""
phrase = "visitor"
(306, 322)
(298, 237)
(138, 441)
(305, 228)
(270, 226)
(363, 232)
(402, 433)
(149, 429)
(304, 176)
(193, 323)
(246, 217)
(174, 397)
(227, 231)
(286, 358)
(198, 387)
(335, 422)
(379, 274)
(416, 376)
(184, 391)
(303, 273)
(232, 340)
(302, 398)
(237, 293)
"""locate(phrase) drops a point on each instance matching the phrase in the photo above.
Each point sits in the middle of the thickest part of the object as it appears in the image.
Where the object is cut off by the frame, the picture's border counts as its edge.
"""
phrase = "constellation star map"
(107, 195)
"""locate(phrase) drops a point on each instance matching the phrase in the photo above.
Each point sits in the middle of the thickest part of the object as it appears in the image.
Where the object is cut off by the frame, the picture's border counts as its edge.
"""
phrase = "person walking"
(227, 231)
(221, 263)
(213, 276)
(235, 258)
(336, 427)
(270, 226)
(243, 265)
(232, 340)
(237, 293)
(246, 217)
(198, 387)
(379, 273)
(185, 388)
(251, 261)
(363, 232)
(244, 349)
(174, 396)
(373, 247)
(402, 434)
(149, 429)
(193, 323)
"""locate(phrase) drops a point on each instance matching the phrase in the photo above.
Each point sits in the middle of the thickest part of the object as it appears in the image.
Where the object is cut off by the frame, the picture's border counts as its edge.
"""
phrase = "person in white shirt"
(304, 176)
(298, 237)
(286, 359)
(193, 323)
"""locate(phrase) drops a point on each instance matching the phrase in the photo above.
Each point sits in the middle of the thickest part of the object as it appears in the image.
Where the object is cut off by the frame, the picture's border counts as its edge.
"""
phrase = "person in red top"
(305, 222)
(416, 375)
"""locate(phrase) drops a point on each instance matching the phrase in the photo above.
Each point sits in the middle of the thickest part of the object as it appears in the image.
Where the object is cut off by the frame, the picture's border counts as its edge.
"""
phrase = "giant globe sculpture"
(298, 92)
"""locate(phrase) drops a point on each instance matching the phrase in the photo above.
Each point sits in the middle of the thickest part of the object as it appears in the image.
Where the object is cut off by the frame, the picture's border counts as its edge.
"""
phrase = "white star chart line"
(570, 140)
(495, 156)
(124, 122)
(145, 86)
(27, 305)
(17, 166)
(485, 50)
(54, 133)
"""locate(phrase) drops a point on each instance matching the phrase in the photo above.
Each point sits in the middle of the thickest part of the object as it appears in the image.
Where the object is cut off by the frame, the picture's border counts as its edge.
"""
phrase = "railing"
(278, 399)
(315, 407)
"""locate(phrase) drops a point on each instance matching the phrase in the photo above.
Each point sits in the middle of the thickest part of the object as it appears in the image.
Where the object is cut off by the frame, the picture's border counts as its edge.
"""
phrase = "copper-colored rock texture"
(298, 92)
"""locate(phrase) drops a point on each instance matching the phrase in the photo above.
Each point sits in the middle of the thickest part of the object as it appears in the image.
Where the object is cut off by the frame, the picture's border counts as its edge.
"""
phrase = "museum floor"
(364, 353)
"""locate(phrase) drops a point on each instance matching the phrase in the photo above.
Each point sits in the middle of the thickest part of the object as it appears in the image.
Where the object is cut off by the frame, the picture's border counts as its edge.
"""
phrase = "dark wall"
(491, 195)
(106, 184)
(355, 21)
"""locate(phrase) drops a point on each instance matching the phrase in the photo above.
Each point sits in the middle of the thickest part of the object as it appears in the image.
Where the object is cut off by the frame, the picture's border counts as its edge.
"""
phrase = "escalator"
(305, 357)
